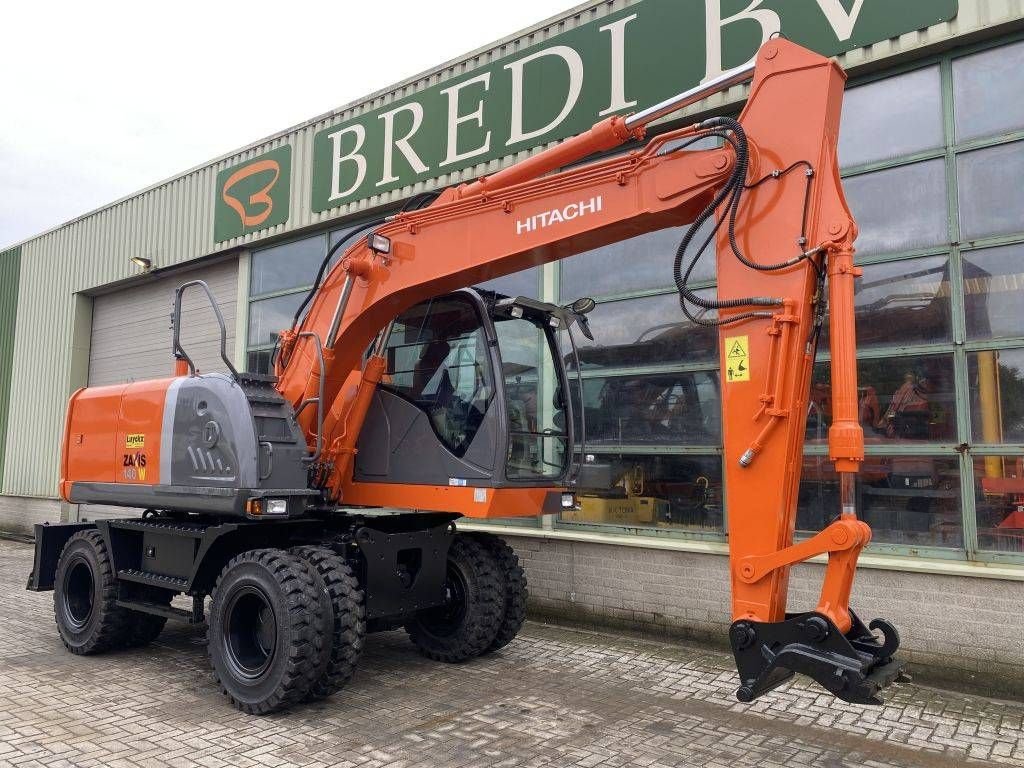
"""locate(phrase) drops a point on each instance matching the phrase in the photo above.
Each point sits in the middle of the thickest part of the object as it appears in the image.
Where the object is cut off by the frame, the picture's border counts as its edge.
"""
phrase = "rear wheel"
(85, 596)
(514, 583)
(344, 619)
(265, 630)
(468, 622)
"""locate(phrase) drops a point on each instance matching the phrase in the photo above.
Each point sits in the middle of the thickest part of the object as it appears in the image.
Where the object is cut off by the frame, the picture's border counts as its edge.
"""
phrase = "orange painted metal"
(503, 224)
(112, 434)
(467, 501)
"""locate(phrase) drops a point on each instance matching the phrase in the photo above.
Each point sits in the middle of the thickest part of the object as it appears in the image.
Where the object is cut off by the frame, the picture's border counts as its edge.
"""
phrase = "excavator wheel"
(344, 619)
(265, 630)
(515, 590)
(85, 596)
(143, 628)
(468, 622)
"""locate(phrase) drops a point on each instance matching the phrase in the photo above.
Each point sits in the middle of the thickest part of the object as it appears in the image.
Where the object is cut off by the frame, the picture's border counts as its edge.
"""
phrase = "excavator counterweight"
(403, 399)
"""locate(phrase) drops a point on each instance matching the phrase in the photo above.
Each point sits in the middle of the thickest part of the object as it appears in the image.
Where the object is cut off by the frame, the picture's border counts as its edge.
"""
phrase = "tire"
(467, 624)
(345, 619)
(141, 629)
(516, 593)
(85, 596)
(265, 630)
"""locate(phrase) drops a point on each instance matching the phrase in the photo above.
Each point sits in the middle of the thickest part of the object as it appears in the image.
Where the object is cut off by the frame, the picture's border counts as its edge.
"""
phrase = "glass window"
(899, 209)
(999, 502)
(896, 116)
(537, 423)
(268, 317)
(639, 263)
(669, 408)
(437, 359)
(997, 395)
(672, 492)
(523, 283)
(290, 265)
(259, 361)
(902, 400)
(994, 292)
(911, 500)
(981, 83)
(991, 193)
(647, 331)
(901, 302)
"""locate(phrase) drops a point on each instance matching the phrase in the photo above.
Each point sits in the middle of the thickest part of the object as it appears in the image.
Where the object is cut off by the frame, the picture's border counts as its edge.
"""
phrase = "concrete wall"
(19, 513)
(965, 631)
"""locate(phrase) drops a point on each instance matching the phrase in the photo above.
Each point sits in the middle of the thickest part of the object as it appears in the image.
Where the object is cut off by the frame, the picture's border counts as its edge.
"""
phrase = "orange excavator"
(320, 503)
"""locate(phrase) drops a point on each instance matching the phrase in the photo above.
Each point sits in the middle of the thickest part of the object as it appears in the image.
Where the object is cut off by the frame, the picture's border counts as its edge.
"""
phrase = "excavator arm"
(784, 251)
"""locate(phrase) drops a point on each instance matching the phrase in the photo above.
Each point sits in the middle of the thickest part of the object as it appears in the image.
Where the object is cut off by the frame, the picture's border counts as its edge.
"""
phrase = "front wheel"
(265, 630)
(467, 623)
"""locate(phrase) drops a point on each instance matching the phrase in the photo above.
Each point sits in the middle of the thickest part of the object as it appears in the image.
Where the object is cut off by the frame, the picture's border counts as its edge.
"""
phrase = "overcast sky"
(99, 100)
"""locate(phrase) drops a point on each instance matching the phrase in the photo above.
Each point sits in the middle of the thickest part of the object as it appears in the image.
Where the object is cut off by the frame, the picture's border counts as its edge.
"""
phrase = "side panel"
(137, 443)
(10, 274)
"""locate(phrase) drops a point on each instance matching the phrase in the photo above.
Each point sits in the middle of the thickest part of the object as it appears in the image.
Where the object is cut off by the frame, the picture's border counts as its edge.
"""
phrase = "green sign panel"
(617, 64)
(253, 195)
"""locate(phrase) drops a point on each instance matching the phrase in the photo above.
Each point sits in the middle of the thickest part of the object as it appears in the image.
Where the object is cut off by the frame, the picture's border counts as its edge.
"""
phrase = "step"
(169, 526)
(153, 579)
(169, 611)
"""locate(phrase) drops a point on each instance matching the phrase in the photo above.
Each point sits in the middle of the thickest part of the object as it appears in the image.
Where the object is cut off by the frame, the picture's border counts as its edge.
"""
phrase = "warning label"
(737, 358)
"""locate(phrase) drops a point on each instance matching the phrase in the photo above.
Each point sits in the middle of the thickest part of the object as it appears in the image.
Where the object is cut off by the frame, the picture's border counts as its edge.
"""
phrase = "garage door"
(131, 335)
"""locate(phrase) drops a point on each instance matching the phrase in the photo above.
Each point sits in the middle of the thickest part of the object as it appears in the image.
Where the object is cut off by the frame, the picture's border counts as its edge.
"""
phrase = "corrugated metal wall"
(172, 223)
(10, 270)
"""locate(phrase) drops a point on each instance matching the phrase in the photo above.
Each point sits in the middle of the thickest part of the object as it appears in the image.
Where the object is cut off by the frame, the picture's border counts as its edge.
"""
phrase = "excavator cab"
(474, 393)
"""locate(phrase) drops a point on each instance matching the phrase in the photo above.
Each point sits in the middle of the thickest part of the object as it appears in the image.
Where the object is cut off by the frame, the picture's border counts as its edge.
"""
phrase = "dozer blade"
(855, 666)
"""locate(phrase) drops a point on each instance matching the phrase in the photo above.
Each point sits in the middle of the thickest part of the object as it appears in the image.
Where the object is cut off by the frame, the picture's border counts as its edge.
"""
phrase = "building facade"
(932, 147)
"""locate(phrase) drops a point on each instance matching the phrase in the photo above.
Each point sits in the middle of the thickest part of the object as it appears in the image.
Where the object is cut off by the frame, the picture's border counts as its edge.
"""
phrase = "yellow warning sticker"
(134, 442)
(737, 358)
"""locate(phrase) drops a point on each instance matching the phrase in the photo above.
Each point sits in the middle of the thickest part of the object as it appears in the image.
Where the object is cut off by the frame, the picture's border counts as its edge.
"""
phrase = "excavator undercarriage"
(403, 400)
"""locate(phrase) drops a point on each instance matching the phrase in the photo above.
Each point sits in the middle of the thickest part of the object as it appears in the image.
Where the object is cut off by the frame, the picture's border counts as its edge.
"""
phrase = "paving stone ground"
(554, 697)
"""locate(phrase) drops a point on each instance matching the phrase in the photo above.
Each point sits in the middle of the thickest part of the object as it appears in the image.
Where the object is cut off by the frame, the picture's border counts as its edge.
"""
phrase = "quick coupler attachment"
(854, 666)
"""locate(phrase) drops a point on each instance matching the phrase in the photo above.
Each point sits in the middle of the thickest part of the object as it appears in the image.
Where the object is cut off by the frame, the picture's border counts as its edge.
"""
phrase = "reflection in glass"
(899, 209)
(523, 283)
(896, 116)
(991, 195)
(999, 502)
(258, 362)
(980, 84)
(669, 408)
(994, 292)
(290, 265)
(639, 263)
(901, 400)
(268, 317)
(901, 302)
(645, 331)
(651, 492)
(996, 382)
(905, 499)
(537, 429)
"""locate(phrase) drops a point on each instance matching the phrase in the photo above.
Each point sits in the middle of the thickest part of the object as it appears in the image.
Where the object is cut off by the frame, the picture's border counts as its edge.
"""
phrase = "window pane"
(523, 283)
(670, 408)
(270, 316)
(991, 193)
(905, 499)
(635, 264)
(259, 362)
(899, 209)
(647, 331)
(287, 266)
(902, 400)
(897, 116)
(981, 83)
(999, 501)
(997, 395)
(901, 302)
(994, 292)
(680, 492)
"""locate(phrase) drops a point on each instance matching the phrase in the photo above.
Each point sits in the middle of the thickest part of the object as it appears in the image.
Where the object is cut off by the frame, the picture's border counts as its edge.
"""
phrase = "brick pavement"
(554, 697)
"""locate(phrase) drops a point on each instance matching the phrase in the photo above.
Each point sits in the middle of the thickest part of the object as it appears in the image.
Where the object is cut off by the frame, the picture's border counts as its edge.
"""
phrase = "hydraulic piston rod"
(692, 96)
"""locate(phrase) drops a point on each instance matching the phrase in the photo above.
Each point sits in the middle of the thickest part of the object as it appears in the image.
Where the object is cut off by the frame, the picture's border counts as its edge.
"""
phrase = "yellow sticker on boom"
(737, 358)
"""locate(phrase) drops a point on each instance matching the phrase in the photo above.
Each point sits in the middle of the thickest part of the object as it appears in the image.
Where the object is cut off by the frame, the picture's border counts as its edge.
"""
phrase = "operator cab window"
(437, 358)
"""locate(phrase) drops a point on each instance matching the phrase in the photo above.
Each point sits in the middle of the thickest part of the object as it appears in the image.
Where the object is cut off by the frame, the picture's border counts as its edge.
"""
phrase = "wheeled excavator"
(301, 510)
